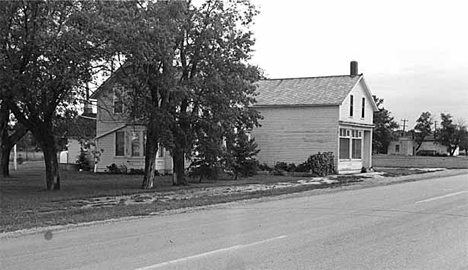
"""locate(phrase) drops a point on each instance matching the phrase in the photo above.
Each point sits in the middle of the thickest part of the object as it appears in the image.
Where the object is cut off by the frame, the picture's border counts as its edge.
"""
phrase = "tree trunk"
(178, 176)
(150, 158)
(419, 146)
(5, 159)
(452, 150)
(49, 149)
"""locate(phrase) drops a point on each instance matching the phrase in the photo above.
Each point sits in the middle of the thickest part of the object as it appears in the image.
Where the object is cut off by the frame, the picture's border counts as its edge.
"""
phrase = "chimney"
(354, 68)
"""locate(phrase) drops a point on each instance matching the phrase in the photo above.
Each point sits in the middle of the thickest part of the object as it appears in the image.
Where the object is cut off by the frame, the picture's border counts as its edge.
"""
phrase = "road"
(415, 225)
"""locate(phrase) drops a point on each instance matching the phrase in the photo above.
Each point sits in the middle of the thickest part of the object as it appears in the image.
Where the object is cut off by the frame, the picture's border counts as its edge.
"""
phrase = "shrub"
(291, 167)
(83, 160)
(303, 167)
(321, 164)
(281, 166)
(203, 170)
(240, 156)
(265, 167)
(113, 168)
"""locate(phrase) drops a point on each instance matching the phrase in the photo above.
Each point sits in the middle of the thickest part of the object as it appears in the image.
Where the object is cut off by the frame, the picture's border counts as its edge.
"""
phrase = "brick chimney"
(353, 68)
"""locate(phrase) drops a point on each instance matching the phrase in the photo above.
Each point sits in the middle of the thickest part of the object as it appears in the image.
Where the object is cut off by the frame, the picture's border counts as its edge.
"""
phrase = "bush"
(291, 167)
(203, 170)
(83, 160)
(265, 167)
(240, 156)
(113, 168)
(303, 167)
(321, 164)
(281, 166)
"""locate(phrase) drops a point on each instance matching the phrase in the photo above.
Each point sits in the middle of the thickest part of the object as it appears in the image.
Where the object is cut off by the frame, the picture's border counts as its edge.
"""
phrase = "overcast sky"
(414, 54)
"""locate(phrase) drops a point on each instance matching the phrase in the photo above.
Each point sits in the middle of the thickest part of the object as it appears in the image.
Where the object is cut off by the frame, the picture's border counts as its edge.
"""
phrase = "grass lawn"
(459, 162)
(25, 204)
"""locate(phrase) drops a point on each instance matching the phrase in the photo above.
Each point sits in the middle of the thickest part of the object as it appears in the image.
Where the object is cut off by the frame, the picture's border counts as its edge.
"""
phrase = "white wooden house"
(304, 116)
(118, 140)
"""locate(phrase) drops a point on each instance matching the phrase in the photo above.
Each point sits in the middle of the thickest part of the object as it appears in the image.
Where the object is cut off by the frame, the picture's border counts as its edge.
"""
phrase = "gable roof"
(311, 91)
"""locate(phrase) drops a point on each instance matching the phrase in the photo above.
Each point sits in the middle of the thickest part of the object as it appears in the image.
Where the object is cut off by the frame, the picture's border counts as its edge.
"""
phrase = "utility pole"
(404, 125)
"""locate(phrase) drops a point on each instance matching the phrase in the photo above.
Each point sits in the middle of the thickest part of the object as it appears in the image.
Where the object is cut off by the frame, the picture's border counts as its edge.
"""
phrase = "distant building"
(406, 145)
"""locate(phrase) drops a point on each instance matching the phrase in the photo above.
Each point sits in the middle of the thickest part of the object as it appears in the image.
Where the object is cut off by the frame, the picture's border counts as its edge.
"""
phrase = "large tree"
(216, 80)
(450, 134)
(187, 73)
(46, 54)
(384, 126)
(464, 143)
(423, 128)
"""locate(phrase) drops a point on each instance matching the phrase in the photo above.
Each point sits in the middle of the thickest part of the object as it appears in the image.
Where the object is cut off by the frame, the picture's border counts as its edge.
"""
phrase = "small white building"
(407, 146)
(304, 116)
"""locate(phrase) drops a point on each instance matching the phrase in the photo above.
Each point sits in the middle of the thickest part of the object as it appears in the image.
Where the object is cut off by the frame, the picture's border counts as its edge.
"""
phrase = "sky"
(413, 54)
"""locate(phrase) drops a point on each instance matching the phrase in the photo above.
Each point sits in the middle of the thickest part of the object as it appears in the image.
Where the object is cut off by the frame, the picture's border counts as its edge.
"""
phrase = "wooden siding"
(358, 93)
(106, 145)
(106, 119)
(292, 134)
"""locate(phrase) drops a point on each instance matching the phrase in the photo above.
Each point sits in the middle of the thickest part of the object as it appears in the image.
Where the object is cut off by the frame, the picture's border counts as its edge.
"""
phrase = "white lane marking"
(444, 196)
(154, 266)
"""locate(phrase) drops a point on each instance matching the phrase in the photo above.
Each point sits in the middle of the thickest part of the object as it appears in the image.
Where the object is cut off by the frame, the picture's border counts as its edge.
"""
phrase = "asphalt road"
(415, 225)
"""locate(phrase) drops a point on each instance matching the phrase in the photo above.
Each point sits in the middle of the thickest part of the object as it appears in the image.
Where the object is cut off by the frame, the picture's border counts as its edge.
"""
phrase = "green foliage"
(450, 134)
(322, 164)
(187, 68)
(464, 142)
(114, 169)
(423, 128)
(46, 56)
(240, 157)
(265, 167)
(384, 127)
(207, 161)
(83, 160)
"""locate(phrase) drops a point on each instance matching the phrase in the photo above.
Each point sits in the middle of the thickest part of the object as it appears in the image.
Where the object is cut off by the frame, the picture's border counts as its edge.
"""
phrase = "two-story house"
(304, 116)
(118, 140)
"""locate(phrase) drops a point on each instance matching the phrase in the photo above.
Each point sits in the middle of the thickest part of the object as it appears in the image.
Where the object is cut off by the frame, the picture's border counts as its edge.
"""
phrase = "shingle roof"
(330, 90)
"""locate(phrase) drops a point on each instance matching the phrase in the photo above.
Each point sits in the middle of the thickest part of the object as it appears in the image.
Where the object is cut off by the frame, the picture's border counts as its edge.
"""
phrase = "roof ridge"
(316, 77)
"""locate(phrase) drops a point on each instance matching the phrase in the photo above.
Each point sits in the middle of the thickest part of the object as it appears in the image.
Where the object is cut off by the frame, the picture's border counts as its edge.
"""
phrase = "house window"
(120, 144)
(397, 148)
(363, 107)
(351, 105)
(350, 144)
(118, 99)
(135, 143)
(357, 149)
(344, 148)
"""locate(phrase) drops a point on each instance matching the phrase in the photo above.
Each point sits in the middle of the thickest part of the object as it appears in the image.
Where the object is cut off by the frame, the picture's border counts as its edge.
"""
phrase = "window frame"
(363, 108)
(132, 144)
(351, 106)
(117, 152)
(351, 135)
